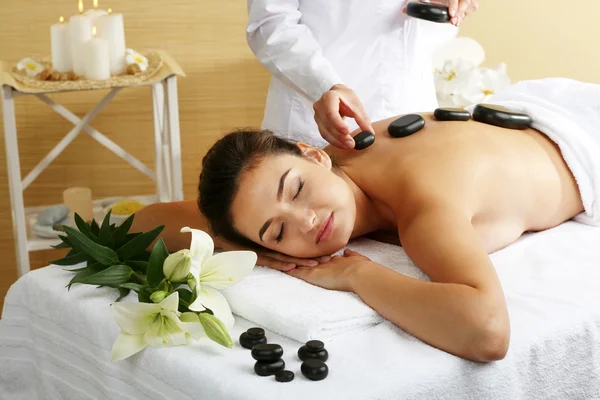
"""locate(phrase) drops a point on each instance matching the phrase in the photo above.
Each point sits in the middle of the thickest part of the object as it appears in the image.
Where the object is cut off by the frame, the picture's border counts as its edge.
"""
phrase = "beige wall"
(225, 86)
(539, 38)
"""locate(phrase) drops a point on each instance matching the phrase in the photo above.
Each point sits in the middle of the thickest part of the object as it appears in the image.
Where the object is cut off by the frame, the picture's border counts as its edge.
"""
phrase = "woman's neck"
(368, 216)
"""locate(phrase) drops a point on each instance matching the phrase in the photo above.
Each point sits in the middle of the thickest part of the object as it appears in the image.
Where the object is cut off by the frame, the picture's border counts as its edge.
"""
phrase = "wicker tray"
(155, 62)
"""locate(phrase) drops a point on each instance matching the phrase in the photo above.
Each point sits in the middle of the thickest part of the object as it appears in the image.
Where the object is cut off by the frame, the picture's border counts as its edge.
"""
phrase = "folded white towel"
(301, 311)
(568, 112)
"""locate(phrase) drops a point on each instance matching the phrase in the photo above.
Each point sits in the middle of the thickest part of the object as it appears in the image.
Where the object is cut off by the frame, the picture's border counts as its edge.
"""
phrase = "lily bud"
(158, 296)
(177, 266)
(215, 330)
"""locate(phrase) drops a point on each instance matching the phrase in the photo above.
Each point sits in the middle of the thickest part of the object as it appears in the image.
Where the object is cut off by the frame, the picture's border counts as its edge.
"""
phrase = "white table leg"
(14, 181)
(175, 141)
(158, 108)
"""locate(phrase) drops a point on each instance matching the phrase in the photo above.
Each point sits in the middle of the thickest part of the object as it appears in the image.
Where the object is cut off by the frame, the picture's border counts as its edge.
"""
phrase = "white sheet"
(56, 344)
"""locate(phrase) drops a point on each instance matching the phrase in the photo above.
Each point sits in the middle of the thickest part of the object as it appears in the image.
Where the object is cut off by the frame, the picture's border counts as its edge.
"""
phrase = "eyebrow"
(266, 225)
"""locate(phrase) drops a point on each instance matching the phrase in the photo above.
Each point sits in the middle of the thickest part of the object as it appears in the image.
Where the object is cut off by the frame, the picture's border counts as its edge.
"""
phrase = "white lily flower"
(31, 67)
(212, 273)
(177, 266)
(145, 324)
(133, 57)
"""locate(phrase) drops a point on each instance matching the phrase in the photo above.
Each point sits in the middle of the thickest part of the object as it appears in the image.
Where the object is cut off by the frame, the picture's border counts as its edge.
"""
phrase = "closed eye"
(280, 236)
(299, 189)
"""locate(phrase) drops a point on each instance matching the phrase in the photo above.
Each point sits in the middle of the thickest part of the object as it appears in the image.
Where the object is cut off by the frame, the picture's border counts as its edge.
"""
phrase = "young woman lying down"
(454, 192)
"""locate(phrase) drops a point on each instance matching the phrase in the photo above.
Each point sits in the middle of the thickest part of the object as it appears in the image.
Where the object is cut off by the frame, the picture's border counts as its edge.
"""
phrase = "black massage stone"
(252, 337)
(451, 114)
(284, 376)
(313, 349)
(501, 116)
(363, 140)
(406, 125)
(266, 368)
(315, 370)
(428, 11)
(267, 352)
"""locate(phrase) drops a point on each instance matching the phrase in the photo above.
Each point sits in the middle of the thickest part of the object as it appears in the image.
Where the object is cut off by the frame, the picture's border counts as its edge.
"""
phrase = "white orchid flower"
(133, 57)
(494, 80)
(212, 273)
(146, 324)
(31, 67)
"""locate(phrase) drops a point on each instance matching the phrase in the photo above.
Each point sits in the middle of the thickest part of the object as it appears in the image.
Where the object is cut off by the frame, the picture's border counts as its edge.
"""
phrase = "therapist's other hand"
(458, 9)
(338, 102)
(272, 259)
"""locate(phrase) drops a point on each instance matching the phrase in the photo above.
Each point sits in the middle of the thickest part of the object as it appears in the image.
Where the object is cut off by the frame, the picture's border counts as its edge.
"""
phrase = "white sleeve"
(287, 48)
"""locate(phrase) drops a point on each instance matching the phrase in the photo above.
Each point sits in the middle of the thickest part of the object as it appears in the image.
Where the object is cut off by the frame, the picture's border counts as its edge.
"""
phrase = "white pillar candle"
(94, 13)
(80, 30)
(60, 45)
(111, 28)
(96, 61)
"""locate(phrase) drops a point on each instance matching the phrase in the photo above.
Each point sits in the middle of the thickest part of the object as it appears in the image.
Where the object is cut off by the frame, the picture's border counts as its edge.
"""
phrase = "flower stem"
(139, 278)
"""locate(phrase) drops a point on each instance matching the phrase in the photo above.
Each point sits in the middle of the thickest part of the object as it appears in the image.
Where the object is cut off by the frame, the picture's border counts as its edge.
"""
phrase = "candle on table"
(79, 200)
(96, 58)
(111, 28)
(94, 13)
(60, 45)
(80, 31)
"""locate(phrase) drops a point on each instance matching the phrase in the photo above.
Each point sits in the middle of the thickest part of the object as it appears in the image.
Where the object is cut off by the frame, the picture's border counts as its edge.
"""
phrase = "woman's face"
(295, 205)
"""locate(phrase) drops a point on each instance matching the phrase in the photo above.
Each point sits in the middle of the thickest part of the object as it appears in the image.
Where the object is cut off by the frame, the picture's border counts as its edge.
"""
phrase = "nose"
(305, 219)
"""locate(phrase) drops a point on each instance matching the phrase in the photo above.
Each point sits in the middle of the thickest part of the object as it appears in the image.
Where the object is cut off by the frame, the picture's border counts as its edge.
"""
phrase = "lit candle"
(96, 61)
(80, 29)
(60, 45)
(94, 13)
(111, 28)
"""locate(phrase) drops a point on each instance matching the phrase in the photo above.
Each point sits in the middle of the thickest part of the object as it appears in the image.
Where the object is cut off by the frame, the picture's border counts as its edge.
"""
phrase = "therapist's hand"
(272, 259)
(338, 102)
(458, 9)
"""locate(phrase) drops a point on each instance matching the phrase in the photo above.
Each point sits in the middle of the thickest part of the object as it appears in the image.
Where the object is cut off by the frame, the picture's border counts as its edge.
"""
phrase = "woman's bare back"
(504, 181)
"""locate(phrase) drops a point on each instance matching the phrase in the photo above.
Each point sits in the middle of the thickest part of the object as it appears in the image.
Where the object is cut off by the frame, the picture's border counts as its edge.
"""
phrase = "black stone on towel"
(363, 140)
(313, 349)
(267, 352)
(256, 333)
(249, 343)
(315, 370)
(266, 368)
(284, 376)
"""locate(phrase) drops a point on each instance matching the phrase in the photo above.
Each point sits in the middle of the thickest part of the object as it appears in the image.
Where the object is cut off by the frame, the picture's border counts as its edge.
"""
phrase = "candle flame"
(61, 19)
(110, 10)
(94, 31)
(80, 6)
(95, 3)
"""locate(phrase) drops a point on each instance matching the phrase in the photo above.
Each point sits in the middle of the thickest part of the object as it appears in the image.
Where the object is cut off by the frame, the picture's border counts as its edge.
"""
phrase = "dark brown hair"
(222, 168)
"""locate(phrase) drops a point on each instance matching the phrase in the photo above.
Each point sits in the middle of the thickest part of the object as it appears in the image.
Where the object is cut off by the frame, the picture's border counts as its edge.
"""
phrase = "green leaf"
(143, 256)
(135, 287)
(141, 266)
(75, 270)
(122, 293)
(138, 244)
(100, 253)
(105, 237)
(84, 227)
(94, 227)
(215, 330)
(89, 270)
(63, 245)
(72, 252)
(144, 297)
(76, 258)
(111, 276)
(155, 264)
(120, 234)
(185, 299)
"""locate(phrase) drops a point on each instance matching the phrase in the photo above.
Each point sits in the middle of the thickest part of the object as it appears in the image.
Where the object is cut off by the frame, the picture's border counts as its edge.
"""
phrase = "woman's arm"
(287, 48)
(461, 311)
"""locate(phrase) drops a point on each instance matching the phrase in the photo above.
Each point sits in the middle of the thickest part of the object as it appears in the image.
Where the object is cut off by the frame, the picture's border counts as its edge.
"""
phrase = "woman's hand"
(458, 9)
(333, 275)
(272, 259)
(338, 102)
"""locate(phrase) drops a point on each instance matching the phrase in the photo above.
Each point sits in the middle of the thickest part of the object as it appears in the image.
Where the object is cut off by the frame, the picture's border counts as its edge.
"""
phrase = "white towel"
(301, 311)
(568, 112)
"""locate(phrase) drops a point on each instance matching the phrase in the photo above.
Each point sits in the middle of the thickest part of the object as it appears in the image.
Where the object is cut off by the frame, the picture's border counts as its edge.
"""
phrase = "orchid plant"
(179, 298)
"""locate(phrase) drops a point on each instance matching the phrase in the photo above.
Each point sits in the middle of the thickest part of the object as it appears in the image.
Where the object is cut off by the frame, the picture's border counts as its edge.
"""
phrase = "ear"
(315, 154)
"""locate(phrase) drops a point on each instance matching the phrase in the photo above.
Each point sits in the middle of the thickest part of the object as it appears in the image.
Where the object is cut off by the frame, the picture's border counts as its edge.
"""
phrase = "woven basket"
(154, 64)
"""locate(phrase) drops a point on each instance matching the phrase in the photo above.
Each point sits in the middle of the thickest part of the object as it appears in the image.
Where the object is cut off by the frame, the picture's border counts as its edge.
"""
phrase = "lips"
(326, 229)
